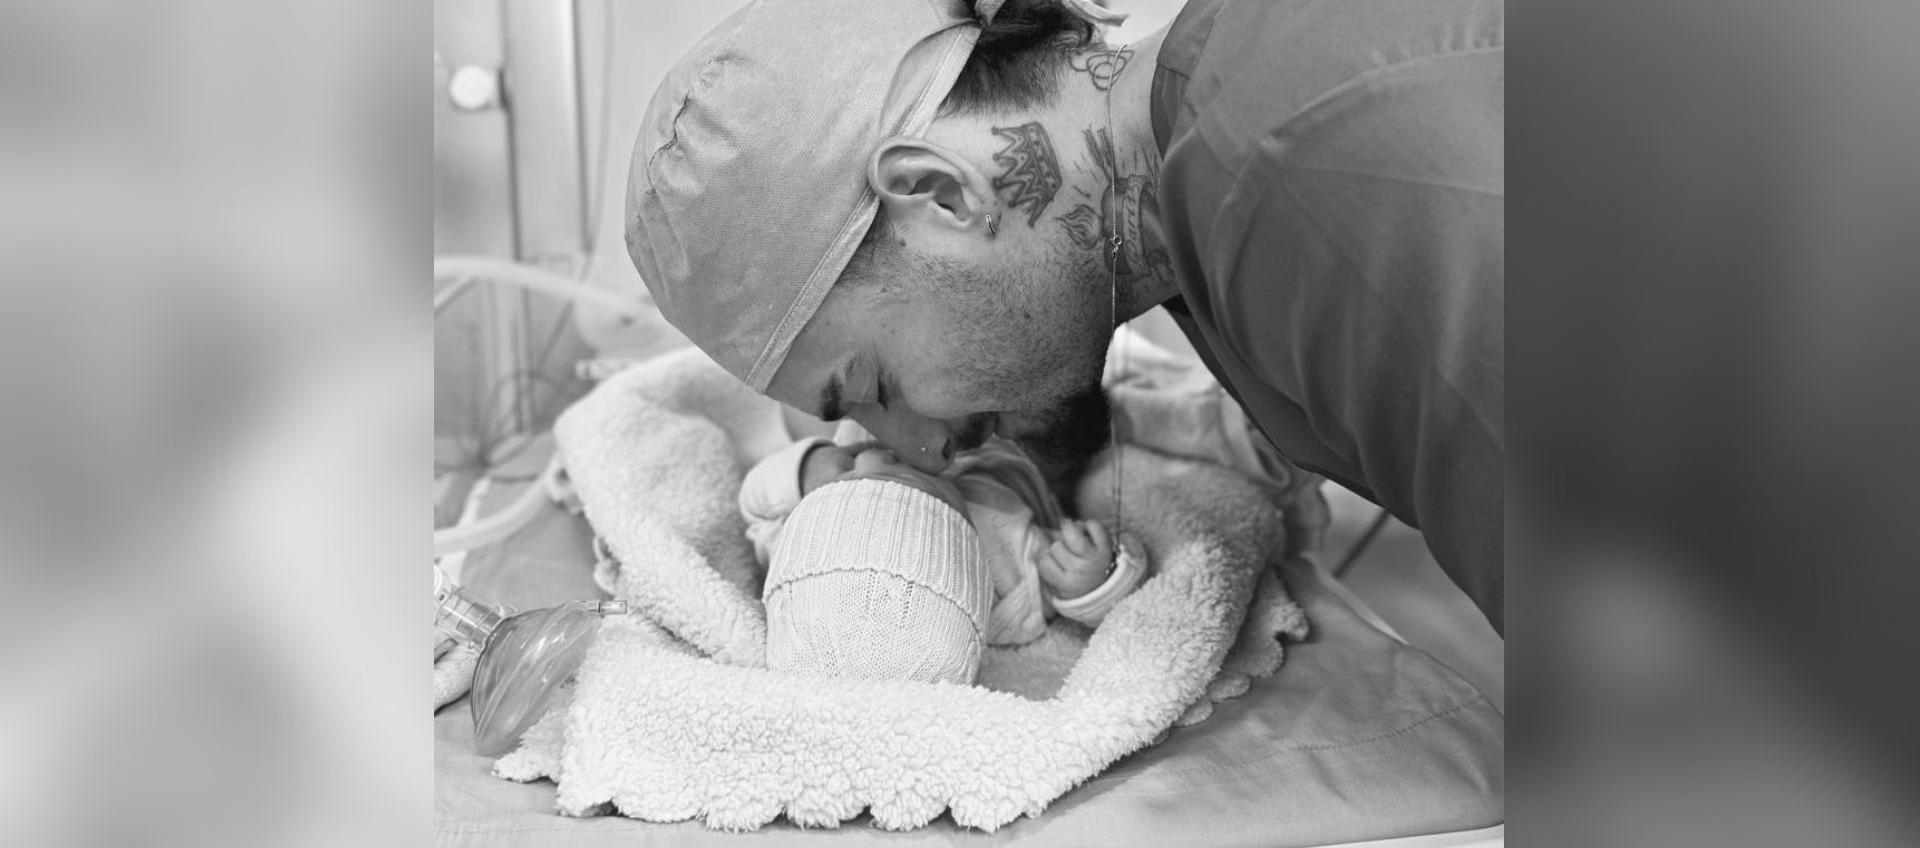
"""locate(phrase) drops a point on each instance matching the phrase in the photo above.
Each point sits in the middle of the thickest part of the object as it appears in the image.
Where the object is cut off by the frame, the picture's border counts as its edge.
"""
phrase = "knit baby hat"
(876, 579)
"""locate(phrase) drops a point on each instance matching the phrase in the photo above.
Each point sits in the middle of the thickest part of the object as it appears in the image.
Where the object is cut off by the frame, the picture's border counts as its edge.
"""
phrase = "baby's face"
(870, 461)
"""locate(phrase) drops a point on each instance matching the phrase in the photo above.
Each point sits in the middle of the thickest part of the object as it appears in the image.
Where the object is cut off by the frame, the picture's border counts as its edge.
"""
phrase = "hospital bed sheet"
(1357, 737)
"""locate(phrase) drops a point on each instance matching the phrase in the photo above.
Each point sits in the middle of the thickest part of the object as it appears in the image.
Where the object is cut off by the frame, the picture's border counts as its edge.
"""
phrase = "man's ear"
(919, 181)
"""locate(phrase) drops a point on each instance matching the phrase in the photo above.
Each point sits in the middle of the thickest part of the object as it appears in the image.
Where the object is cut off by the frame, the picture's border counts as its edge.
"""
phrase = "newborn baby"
(878, 570)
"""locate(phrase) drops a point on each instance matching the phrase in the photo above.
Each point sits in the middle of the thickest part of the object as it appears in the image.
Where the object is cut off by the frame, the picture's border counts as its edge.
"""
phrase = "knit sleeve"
(1129, 571)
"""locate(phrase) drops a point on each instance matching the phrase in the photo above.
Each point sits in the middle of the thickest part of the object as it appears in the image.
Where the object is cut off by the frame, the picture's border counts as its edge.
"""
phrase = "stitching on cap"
(673, 130)
(705, 80)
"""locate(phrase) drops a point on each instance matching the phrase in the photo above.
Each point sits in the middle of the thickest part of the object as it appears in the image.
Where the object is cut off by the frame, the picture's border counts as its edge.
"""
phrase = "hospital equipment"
(524, 657)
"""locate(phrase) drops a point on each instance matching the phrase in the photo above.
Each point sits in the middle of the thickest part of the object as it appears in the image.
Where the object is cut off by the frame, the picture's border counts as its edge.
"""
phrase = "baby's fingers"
(1073, 535)
(1098, 532)
(1050, 567)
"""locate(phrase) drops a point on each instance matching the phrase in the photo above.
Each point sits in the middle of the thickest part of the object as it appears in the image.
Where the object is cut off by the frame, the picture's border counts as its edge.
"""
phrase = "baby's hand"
(1079, 561)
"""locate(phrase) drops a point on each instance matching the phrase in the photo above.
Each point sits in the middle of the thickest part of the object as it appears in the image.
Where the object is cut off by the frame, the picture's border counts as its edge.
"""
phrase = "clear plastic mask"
(525, 658)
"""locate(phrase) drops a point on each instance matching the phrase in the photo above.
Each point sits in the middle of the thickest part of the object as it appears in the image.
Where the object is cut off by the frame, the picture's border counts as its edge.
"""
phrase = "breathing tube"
(525, 658)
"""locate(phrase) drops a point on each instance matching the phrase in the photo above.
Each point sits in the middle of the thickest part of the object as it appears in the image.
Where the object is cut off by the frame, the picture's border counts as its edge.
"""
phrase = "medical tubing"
(460, 617)
(530, 278)
(463, 618)
(500, 525)
(465, 269)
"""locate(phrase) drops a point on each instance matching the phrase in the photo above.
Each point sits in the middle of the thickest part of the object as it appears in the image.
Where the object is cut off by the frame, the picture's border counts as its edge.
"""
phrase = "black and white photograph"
(960, 422)
(1005, 425)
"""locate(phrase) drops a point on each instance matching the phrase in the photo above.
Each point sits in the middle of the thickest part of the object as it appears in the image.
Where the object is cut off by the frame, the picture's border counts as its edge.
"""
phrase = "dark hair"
(1017, 61)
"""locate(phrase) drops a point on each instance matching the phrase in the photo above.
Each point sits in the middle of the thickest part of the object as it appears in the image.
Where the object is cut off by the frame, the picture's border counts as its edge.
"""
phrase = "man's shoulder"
(1249, 67)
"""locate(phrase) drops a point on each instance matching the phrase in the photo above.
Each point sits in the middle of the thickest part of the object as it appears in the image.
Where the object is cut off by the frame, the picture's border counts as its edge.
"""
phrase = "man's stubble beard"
(1059, 413)
(1064, 443)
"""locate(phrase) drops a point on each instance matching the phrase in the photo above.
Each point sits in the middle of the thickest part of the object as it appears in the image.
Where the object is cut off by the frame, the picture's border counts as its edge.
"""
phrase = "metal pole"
(542, 82)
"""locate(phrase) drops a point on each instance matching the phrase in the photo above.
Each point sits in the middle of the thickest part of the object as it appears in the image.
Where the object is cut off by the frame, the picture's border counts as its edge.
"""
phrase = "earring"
(993, 226)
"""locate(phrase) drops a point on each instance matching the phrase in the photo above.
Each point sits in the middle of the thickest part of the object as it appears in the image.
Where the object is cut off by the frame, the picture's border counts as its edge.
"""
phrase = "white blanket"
(673, 716)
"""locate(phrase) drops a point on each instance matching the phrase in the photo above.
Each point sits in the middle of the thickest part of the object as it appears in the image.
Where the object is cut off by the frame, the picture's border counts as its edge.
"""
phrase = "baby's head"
(878, 575)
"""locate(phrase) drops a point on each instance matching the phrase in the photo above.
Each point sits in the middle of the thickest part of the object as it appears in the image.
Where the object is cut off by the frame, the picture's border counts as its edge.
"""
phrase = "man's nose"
(927, 444)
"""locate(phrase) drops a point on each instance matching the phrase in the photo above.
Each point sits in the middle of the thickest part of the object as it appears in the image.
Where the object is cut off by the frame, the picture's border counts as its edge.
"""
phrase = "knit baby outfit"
(1011, 511)
(876, 579)
(769, 493)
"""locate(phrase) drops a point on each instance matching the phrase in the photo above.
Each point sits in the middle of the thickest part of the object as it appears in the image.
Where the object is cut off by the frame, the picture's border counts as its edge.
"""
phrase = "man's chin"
(1015, 426)
(1063, 440)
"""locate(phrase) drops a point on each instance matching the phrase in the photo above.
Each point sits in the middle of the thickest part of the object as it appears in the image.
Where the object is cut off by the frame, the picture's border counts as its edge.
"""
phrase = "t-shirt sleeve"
(1359, 273)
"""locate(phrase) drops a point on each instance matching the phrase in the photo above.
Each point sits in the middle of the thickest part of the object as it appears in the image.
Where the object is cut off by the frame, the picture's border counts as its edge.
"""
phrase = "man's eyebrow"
(830, 399)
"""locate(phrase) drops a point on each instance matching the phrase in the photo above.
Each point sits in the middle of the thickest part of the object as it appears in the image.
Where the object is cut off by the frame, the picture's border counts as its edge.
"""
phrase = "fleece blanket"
(673, 717)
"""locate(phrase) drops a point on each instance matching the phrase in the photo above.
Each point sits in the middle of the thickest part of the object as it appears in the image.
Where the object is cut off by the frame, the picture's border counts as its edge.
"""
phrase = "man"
(929, 215)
